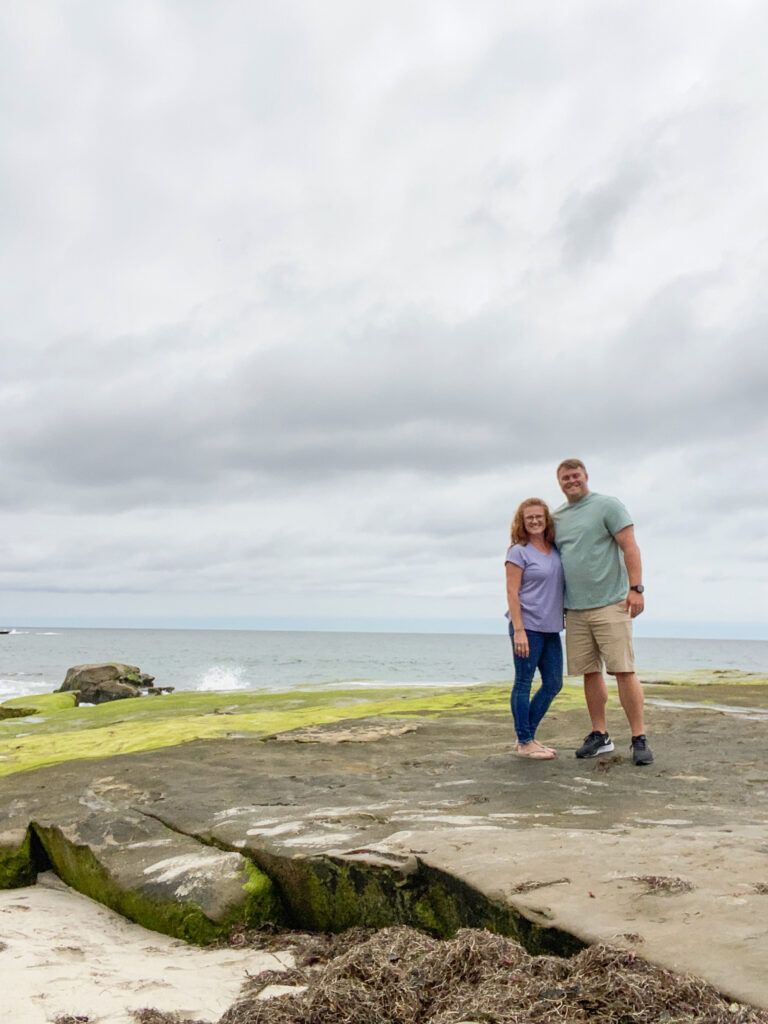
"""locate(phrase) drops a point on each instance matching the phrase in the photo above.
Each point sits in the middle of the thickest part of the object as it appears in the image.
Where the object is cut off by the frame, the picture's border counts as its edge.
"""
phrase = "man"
(603, 593)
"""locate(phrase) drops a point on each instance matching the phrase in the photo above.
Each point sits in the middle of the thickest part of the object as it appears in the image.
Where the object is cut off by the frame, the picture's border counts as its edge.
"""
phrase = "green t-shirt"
(592, 560)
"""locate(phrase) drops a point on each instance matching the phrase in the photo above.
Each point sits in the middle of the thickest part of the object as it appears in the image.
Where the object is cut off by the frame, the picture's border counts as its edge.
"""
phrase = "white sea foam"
(221, 678)
(22, 686)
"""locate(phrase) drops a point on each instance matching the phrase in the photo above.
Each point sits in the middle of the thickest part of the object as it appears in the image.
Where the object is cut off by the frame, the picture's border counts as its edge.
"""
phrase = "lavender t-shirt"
(542, 587)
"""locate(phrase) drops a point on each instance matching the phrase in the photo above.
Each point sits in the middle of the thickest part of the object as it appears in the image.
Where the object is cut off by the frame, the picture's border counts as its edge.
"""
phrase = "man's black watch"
(640, 589)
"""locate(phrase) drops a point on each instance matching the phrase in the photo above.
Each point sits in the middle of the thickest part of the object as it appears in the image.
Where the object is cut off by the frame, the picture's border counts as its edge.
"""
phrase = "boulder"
(97, 684)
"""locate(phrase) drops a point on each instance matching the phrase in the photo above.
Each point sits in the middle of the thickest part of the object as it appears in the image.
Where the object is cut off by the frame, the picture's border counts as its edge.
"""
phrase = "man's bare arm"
(626, 540)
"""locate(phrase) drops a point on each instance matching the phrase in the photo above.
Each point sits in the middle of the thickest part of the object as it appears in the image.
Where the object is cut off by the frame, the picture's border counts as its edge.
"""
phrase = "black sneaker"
(596, 743)
(641, 752)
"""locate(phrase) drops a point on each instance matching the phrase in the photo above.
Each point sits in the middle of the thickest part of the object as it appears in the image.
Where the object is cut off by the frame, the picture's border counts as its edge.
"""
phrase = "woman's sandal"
(538, 754)
(545, 747)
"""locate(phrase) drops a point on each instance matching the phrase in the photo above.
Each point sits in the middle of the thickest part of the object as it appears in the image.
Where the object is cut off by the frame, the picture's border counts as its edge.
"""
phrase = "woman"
(535, 598)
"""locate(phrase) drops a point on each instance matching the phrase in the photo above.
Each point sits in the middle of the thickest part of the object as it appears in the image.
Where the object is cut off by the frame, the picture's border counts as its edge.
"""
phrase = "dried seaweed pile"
(401, 976)
(154, 1017)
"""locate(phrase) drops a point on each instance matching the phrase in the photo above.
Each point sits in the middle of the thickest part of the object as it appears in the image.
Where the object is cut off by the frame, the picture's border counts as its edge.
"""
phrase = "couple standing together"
(582, 560)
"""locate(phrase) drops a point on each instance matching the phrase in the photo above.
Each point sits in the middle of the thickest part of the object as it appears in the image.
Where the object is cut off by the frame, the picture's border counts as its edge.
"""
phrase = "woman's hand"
(520, 642)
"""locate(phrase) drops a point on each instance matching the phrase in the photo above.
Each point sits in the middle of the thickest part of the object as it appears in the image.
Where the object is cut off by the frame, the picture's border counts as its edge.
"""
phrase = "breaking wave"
(221, 677)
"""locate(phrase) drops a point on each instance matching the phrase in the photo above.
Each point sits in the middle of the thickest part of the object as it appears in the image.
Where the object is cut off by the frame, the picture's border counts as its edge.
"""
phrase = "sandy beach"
(64, 954)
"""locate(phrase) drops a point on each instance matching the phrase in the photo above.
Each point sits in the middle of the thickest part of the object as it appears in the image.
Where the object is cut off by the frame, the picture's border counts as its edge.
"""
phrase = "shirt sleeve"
(615, 516)
(516, 556)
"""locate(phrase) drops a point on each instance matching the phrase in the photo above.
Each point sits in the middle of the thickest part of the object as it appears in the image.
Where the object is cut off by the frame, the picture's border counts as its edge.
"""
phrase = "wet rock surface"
(354, 820)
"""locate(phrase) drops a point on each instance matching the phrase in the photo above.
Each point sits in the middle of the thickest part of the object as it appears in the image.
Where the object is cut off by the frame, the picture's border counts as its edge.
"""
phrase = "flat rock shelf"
(325, 811)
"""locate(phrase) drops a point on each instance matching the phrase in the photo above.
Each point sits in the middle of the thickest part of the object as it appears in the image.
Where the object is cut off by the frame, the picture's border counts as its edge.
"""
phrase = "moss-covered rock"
(17, 860)
(41, 703)
(123, 727)
(168, 908)
(334, 893)
(19, 712)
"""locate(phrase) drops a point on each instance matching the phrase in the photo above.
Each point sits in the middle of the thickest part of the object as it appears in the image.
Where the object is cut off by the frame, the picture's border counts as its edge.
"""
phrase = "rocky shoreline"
(409, 809)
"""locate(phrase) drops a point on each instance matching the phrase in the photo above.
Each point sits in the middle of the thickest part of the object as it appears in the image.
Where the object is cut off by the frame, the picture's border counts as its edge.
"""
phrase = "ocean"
(35, 660)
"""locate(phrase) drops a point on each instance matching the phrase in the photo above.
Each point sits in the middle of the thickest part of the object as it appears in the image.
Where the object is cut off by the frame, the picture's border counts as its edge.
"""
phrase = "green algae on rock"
(163, 896)
(334, 893)
(18, 865)
(40, 703)
(315, 893)
(122, 727)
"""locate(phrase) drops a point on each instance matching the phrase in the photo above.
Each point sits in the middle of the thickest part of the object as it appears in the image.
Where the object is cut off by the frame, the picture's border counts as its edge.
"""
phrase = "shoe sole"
(605, 749)
(639, 762)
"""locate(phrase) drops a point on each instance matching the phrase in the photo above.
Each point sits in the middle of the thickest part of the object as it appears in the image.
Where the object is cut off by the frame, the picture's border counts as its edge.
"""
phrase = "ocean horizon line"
(669, 630)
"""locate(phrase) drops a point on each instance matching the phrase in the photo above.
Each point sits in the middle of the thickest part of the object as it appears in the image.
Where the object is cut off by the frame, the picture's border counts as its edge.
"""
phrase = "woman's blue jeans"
(546, 655)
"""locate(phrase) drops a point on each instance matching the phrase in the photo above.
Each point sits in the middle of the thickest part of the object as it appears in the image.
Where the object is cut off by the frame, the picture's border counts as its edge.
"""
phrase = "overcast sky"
(300, 300)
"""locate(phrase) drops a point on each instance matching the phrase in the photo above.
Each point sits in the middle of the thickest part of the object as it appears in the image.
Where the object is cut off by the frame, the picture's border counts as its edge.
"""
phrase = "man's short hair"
(570, 464)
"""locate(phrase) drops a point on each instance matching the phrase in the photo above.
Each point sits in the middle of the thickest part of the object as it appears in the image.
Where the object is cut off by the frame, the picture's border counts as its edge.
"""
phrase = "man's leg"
(616, 646)
(631, 697)
(612, 627)
(596, 694)
(584, 660)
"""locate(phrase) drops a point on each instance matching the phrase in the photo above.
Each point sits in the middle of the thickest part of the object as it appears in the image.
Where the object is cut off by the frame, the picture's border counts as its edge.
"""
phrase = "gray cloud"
(591, 218)
(302, 302)
(412, 394)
